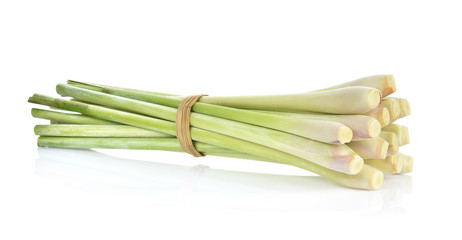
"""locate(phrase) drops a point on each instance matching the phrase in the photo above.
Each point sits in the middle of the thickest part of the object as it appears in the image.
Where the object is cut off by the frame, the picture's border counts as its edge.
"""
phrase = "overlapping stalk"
(309, 130)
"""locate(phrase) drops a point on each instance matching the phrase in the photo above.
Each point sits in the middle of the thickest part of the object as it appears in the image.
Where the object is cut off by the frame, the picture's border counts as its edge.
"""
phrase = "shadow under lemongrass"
(204, 187)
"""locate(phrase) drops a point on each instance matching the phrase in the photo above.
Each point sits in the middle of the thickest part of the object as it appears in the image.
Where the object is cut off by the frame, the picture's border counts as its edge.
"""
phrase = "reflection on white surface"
(204, 187)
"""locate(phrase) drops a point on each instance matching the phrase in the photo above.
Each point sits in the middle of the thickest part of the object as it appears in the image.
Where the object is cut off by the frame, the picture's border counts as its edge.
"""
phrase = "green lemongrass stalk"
(334, 133)
(348, 100)
(384, 83)
(362, 126)
(380, 113)
(389, 165)
(405, 108)
(367, 178)
(392, 140)
(401, 132)
(408, 162)
(370, 148)
(393, 107)
(146, 143)
(320, 153)
(71, 130)
(157, 143)
(67, 118)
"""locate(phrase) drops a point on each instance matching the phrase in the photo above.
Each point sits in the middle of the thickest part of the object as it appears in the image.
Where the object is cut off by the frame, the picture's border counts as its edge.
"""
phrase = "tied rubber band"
(183, 132)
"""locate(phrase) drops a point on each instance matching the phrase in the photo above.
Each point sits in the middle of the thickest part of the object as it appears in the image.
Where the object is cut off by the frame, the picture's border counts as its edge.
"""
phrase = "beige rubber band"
(183, 131)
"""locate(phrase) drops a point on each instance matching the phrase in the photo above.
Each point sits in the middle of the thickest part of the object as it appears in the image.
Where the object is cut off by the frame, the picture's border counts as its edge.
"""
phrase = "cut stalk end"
(372, 148)
(374, 98)
(382, 149)
(380, 113)
(385, 117)
(392, 140)
(355, 165)
(391, 86)
(376, 180)
(405, 107)
(374, 128)
(394, 109)
(345, 134)
(408, 164)
(390, 165)
(398, 164)
(407, 161)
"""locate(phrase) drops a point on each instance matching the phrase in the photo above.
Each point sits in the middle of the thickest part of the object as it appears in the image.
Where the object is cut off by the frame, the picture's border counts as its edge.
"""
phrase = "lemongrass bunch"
(340, 133)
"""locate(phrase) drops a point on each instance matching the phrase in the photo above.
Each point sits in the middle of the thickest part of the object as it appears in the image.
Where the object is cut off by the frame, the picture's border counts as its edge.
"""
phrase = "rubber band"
(183, 130)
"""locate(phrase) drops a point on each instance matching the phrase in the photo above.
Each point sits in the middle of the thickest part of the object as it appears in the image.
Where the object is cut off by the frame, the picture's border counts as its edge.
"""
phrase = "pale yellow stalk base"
(385, 83)
(344, 134)
(393, 108)
(402, 132)
(405, 108)
(380, 113)
(392, 140)
(408, 162)
(374, 128)
(389, 165)
(362, 126)
(347, 100)
(355, 165)
(367, 178)
(375, 148)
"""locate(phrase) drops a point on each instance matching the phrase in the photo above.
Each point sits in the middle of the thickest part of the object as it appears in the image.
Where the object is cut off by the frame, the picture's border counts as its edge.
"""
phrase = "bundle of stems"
(331, 132)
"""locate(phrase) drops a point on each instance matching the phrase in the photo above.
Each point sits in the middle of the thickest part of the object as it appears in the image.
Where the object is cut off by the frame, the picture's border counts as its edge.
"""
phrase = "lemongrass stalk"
(361, 179)
(157, 143)
(70, 130)
(145, 143)
(334, 133)
(59, 117)
(361, 126)
(393, 108)
(408, 162)
(348, 100)
(380, 113)
(317, 152)
(404, 106)
(370, 148)
(389, 165)
(392, 140)
(367, 178)
(401, 132)
(384, 83)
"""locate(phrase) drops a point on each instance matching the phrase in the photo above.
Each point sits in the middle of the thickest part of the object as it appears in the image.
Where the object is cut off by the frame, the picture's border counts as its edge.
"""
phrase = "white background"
(226, 48)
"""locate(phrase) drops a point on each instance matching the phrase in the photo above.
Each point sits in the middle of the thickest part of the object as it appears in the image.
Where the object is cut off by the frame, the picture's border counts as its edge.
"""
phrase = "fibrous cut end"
(376, 180)
(391, 86)
(344, 134)
(355, 165)
(382, 149)
(374, 128)
(384, 117)
(374, 98)
(393, 108)
(408, 165)
(405, 107)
